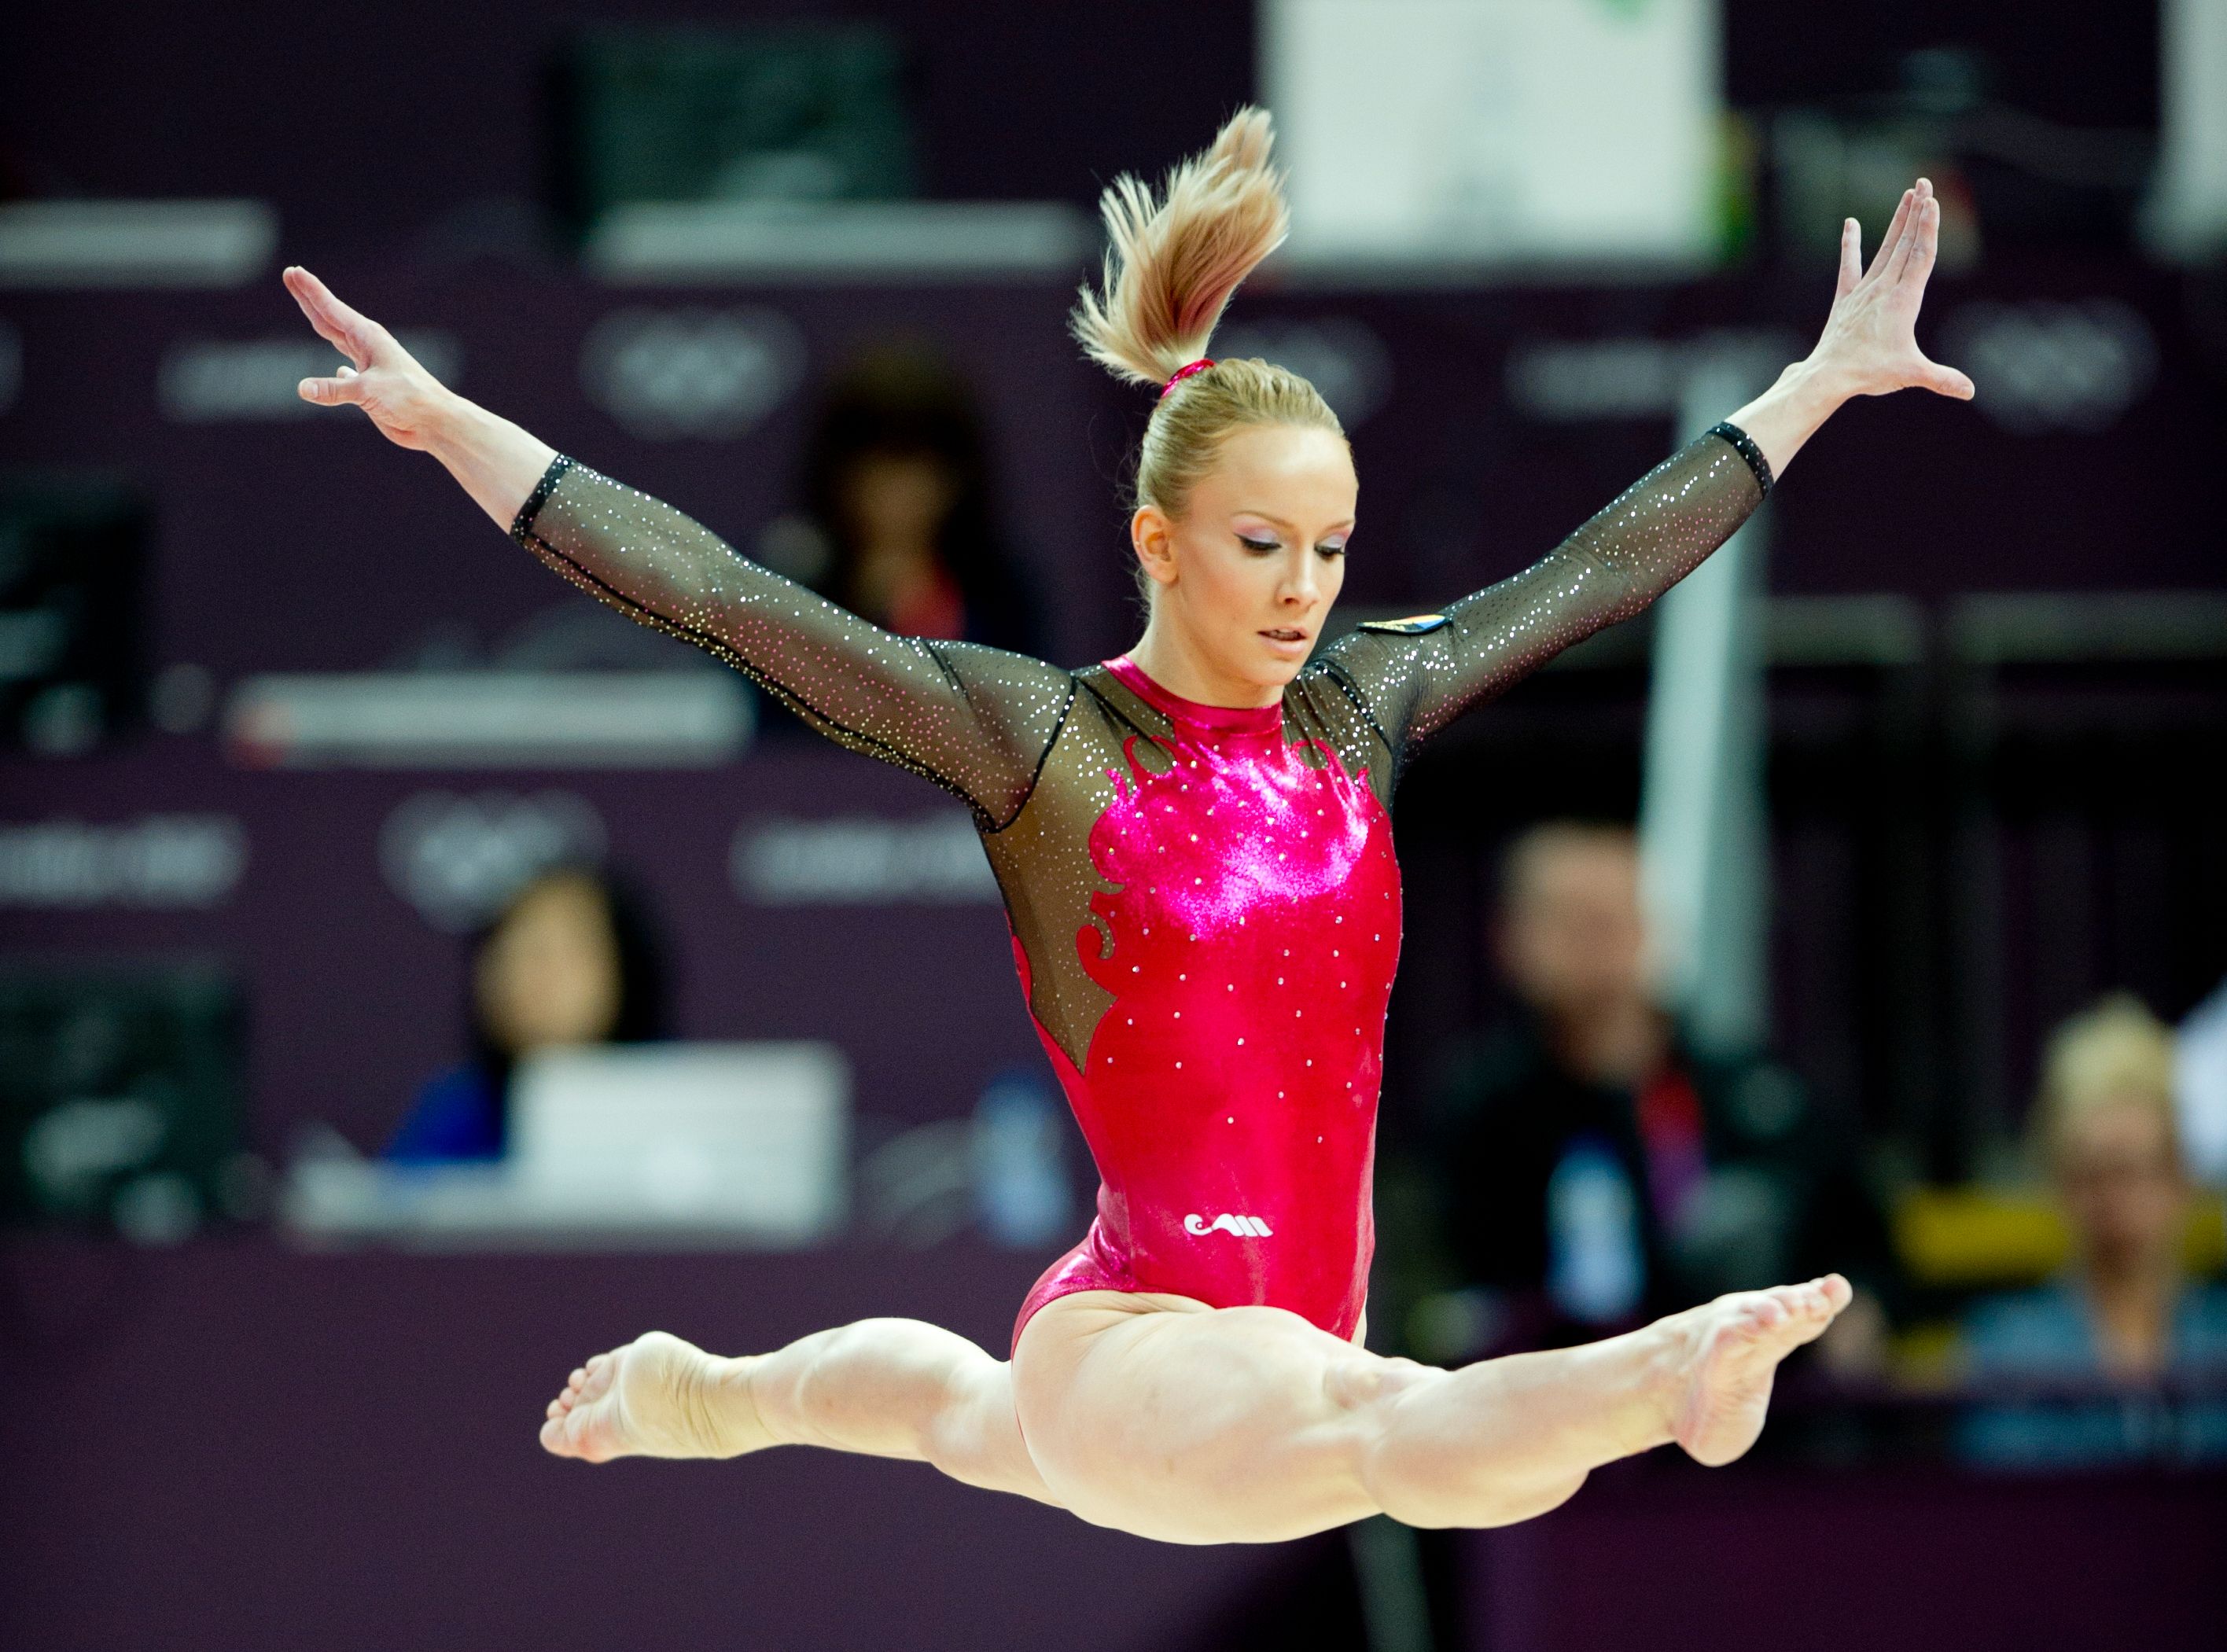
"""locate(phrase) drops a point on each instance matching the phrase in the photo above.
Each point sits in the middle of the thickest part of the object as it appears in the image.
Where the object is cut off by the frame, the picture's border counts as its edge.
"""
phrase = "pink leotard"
(1203, 900)
(1228, 1092)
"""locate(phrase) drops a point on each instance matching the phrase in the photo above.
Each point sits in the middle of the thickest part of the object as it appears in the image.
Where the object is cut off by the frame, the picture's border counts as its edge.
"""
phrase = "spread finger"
(1894, 233)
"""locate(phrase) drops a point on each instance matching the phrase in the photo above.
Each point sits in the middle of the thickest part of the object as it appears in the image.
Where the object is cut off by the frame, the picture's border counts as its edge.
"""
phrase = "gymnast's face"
(1245, 579)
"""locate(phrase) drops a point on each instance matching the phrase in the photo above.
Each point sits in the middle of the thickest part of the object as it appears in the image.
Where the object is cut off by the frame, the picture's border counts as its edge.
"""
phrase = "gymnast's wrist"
(453, 425)
(1818, 384)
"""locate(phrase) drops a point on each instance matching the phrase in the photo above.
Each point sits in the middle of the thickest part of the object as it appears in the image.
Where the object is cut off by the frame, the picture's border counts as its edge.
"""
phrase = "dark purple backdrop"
(310, 543)
(229, 1443)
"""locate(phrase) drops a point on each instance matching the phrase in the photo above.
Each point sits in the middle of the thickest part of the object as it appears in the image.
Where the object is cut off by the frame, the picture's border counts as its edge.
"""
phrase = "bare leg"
(1161, 1416)
(1505, 1439)
(1173, 1421)
(886, 1387)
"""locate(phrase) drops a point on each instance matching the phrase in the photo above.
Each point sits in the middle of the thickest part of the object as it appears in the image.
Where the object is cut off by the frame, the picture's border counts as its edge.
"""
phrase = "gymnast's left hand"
(1869, 346)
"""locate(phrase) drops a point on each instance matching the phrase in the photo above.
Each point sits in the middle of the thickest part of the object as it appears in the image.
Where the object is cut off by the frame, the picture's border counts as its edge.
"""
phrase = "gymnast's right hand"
(407, 402)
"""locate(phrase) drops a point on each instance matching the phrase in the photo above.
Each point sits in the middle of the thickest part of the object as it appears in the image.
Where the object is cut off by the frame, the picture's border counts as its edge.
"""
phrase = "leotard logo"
(1243, 1227)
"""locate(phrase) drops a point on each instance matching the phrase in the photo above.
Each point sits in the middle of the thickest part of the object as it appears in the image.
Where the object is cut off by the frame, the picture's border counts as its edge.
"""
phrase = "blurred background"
(413, 977)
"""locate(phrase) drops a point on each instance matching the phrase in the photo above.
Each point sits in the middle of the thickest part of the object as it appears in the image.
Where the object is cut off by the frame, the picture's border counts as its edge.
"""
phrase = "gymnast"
(1194, 845)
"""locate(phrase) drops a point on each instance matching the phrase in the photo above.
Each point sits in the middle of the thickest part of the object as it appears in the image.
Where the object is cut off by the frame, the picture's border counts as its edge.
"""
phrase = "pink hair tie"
(1182, 373)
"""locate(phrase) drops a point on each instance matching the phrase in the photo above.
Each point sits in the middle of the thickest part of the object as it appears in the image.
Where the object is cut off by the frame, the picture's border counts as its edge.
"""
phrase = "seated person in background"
(1592, 1170)
(568, 961)
(898, 524)
(2128, 1344)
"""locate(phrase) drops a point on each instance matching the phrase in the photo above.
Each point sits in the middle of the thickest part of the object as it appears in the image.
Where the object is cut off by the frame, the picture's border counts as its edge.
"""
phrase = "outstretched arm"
(1414, 677)
(976, 720)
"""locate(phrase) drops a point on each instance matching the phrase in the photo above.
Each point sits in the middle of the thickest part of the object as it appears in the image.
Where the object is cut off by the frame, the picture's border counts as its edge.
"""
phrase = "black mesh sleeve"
(1413, 677)
(976, 721)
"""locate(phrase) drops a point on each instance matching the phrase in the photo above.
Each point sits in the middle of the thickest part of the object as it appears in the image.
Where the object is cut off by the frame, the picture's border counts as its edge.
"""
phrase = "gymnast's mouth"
(1284, 634)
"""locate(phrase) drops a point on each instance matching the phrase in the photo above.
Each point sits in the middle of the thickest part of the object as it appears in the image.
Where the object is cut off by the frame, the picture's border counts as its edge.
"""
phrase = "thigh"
(1164, 1417)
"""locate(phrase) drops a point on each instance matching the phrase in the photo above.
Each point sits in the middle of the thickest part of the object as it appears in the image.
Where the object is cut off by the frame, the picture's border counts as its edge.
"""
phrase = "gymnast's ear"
(1152, 536)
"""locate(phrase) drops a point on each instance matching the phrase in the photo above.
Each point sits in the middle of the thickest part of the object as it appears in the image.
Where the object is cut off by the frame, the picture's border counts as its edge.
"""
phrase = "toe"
(1814, 1301)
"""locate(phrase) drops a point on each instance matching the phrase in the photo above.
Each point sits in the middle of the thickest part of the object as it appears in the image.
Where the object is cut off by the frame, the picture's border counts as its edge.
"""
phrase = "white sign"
(860, 860)
(748, 1136)
(63, 243)
(160, 860)
(490, 719)
(1496, 130)
(205, 380)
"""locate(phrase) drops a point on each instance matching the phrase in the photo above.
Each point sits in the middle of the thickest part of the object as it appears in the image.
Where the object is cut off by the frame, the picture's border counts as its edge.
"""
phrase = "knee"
(1368, 1380)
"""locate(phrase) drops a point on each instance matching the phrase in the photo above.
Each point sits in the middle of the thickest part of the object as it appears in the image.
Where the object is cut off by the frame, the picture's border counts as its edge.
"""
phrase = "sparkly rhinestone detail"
(1748, 450)
(1190, 866)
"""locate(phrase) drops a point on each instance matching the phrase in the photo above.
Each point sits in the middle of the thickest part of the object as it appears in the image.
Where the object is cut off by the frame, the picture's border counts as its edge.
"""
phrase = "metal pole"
(1704, 816)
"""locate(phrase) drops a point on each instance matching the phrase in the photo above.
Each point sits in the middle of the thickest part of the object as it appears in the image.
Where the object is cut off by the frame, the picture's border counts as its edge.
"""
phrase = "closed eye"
(1256, 544)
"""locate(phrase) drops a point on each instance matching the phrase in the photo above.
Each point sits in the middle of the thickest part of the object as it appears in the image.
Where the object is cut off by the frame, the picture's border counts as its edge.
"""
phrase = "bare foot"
(1731, 1347)
(658, 1396)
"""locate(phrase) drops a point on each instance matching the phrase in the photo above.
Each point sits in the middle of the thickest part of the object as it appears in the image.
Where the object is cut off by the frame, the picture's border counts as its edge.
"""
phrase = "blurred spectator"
(899, 521)
(2199, 1086)
(1593, 1168)
(569, 960)
(2125, 1345)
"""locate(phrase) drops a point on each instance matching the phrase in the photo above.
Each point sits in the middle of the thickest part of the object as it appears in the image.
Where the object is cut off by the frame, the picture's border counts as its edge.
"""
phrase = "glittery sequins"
(1168, 858)
(976, 721)
(1647, 538)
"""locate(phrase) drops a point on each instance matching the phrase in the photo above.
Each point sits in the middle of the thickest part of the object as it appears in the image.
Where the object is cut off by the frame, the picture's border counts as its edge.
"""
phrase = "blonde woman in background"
(2121, 1334)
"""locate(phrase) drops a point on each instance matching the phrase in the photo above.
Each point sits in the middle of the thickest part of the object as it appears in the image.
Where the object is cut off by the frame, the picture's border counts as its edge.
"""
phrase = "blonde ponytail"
(1172, 263)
